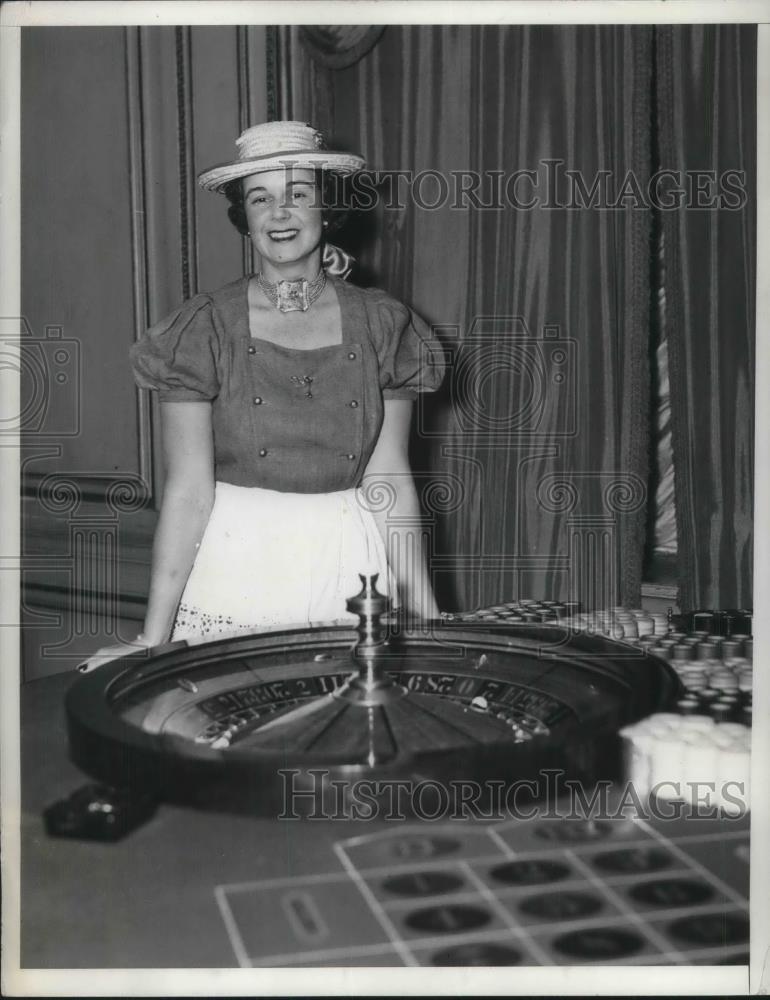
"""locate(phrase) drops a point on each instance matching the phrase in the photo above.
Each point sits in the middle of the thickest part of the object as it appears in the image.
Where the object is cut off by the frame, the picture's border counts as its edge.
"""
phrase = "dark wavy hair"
(333, 209)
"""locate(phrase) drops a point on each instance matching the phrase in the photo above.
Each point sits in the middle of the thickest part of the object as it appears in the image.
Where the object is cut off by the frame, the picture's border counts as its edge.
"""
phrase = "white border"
(81, 12)
(10, 501)
(760, 749)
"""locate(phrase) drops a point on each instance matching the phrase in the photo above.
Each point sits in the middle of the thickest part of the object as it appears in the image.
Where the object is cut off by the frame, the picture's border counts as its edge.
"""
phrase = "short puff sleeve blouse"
(269, 430)
(177, 357)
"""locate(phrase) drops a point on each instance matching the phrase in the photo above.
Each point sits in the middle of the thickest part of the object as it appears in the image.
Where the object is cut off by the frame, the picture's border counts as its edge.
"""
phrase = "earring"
(326, 223)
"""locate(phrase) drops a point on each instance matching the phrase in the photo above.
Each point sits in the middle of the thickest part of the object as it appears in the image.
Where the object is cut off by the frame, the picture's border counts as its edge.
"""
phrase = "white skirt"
(270, 559)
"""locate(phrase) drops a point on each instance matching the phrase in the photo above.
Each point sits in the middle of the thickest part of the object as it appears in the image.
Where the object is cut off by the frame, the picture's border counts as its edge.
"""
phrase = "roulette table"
(182, 850)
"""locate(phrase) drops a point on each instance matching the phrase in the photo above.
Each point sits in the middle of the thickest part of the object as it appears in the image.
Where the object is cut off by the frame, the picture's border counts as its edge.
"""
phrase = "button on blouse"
(265, 407)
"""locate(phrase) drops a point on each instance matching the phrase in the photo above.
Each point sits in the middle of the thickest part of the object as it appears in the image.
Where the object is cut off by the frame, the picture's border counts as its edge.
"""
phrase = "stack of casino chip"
(617, 623)
(716, 672)
(691, 758)
(715, 669)
(713, 661)
(628, 624)
(524, 612)
(707, 741)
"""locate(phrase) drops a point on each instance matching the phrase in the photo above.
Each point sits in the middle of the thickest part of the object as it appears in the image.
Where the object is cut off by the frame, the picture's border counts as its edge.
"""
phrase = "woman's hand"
(107, 653)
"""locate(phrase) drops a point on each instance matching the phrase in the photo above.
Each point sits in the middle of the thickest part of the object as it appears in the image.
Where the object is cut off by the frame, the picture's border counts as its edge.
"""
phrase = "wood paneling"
(76, 242)
(116, 124)
(214, 127)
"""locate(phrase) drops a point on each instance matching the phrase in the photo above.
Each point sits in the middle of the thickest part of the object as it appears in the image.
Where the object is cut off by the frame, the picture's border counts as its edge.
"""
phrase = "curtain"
(533, 459)
(706, 113)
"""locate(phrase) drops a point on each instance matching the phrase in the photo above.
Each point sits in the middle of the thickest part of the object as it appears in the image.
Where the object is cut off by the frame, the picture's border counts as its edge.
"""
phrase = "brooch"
(303, 381)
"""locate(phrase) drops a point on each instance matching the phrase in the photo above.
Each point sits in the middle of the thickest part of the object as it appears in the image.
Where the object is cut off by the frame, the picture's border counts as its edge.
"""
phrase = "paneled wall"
(116, 123)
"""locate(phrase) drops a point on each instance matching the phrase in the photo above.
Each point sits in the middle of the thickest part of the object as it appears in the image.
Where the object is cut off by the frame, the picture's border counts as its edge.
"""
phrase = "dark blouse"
(300, 421)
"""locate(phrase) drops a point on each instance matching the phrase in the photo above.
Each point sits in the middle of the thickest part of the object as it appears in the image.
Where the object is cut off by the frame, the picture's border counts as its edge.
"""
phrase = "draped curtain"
(533, 459)
(706, 115)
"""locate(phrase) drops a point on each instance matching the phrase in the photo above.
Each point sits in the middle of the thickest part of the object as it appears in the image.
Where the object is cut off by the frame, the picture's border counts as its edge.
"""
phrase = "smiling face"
(283, 210)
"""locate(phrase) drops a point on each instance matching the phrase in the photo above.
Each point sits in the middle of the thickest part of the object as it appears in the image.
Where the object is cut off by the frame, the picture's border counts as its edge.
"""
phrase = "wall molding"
(279, 72)
(245, 112)
(136, 151)
(187, 216)
(66, 556)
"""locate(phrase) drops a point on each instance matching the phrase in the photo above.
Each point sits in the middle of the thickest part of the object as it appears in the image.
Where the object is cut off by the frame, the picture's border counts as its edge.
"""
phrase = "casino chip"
(561, 905)
(598, 944)
(422, 883)
(477, 954)
(414, 847)
(711, 929)
(671, 892)
(448, 919)
(574, 831)
(531, 871)
(633, 860)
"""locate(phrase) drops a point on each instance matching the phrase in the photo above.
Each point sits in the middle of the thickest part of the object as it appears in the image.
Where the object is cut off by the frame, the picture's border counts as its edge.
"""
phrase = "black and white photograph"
(383, 489)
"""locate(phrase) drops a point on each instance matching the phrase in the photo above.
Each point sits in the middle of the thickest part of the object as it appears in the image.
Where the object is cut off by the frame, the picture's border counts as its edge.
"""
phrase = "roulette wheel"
(219, 725)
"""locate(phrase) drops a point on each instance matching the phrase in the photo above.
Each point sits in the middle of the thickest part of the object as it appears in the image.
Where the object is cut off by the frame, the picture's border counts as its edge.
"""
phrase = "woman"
(285, 398)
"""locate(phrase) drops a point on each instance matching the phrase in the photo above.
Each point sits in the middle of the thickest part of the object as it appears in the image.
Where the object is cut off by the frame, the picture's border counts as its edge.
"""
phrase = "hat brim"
(217, 178)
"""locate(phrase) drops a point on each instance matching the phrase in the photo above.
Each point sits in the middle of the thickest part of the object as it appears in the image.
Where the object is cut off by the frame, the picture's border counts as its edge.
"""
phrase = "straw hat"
(279, 144)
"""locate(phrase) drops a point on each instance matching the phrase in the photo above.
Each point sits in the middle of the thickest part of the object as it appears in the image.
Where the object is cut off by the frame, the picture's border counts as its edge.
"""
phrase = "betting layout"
(541, 892)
